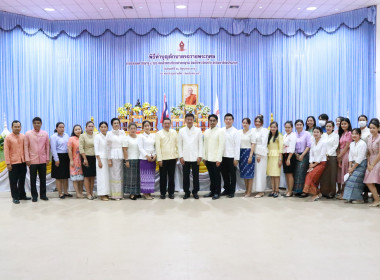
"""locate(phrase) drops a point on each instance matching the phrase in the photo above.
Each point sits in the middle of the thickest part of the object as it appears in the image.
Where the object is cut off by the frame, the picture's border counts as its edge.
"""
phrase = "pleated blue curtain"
(73, 75)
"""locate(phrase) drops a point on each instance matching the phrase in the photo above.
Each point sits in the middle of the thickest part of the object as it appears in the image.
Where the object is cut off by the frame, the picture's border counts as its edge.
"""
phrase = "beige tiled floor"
(175, 239)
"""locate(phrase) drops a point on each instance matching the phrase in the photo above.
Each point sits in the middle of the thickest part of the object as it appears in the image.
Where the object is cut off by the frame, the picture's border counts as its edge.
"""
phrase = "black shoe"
(171, 196)
(138, 196)
(231, 195)
(224, 193)
(26, 198)
(16, 201)
(34, 199)
(196, 196)
(44, 198)
(62, 196)
(68, 195)
(186, 196)
(210, 194)
(216, 196)
(303, 195)
(162, 196)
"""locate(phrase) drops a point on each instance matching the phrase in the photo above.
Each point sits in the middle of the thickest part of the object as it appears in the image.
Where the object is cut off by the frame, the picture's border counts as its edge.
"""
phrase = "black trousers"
(215, 179)
(186, 176)
(41, 170)
(228, 171)
(167, 170)
(17, 180)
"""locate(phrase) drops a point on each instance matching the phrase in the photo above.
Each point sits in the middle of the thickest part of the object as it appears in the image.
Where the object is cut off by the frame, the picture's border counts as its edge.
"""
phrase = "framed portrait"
(190, 94)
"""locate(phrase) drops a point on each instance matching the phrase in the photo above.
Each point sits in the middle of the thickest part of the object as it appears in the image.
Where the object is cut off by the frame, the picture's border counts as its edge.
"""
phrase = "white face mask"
(362, 123)
(322, 123)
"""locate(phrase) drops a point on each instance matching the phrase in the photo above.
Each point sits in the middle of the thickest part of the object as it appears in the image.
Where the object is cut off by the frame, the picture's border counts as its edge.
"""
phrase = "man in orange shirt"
(192, 98)
(15, 160)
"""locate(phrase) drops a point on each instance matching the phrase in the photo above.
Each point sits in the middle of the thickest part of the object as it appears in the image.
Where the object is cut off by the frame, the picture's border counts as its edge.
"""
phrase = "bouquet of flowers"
(181, 106)
(199, 106)
(175, 111)
(153, 109)
(146, 105)
(147, 113)
(128, 106)
(122, 112)
(189, 109)
(205, 111)
(136, 109)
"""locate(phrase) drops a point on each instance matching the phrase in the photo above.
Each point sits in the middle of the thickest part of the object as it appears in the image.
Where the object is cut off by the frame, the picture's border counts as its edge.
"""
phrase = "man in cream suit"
(213, 149)
(190, 149)
(167, 156)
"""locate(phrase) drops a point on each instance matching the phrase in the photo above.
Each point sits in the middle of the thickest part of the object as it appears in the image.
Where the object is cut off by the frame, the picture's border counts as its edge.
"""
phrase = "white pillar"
(377, 79)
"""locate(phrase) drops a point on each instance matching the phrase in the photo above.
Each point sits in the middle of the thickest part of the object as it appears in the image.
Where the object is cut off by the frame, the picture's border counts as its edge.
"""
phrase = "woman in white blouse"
(328, 179)
(261, 153)
(131, 166)
(146, 143)
(289, 158)
(247, 158)
(317, 164)
(115, 139)
(357, 168)
(102, 171)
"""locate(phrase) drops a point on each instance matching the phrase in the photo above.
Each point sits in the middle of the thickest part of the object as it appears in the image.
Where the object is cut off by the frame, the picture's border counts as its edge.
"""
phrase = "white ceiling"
(111, 9)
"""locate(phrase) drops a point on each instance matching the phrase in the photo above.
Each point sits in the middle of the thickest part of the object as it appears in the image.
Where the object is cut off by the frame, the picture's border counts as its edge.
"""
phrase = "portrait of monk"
(191, 99)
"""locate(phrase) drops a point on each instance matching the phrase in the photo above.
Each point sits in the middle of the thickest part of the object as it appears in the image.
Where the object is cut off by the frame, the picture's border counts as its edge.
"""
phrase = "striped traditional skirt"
(300, 173)
(354, 185)
(247, 171)
(132, 177)
(312, 179)
(147, 174)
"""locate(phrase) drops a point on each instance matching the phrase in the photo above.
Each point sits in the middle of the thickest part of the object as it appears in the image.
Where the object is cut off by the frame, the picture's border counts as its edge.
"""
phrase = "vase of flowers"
(122, 112)
(136, 110)
(154, 110)
(181, 106)
(147, 113)
(199, 106)
(189, 109)
(205, 111)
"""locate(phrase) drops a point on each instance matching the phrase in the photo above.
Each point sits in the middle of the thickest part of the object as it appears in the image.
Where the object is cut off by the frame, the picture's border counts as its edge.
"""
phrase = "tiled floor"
(235, 238)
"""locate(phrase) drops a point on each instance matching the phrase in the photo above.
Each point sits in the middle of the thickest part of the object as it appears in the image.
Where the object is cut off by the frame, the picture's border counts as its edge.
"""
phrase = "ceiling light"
(336, 9)
(260, 7)
(234, 7)
(140, 7)
(62, 9)
(49, 9)
(298, 8)
(100, 8)
(221, 7)
(311, 8)
(181, 6)
(128, 7)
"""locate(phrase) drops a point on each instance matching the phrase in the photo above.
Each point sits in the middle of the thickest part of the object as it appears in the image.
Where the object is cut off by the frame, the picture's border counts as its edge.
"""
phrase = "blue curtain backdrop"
(71, 70)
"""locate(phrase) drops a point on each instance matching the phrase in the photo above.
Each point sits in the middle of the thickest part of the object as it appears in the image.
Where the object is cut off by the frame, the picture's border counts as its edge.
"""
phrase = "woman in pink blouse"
(76, 172)
(344, 149)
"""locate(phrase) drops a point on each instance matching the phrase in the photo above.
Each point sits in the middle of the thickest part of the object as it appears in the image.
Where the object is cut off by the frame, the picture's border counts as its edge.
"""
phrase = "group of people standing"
(315, 159)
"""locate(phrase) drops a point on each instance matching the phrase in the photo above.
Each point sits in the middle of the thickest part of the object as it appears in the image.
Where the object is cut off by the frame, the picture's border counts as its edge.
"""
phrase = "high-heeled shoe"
(375, 204)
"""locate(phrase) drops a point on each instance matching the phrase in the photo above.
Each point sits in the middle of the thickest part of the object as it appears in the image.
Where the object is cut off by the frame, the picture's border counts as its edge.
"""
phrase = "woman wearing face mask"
(337, 123)
(303, 145)
(358, 165)
(115, 139)
(322, 120)
(275, 145)
(317, 164)
(344, 149)
(328, 179)
(146, 143)
(289, 158)
(372, 175)
(102, 170)
(310, 124)
(362, 120)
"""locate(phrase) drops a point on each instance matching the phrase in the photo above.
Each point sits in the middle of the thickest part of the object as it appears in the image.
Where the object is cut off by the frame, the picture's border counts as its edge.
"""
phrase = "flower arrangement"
(154, 109)
(128, 106)
(122, 112)
(181, 106)
(147, 113)
(189, 109)
(146, 105)
(205, 111)
(175, 111)
(199, 106)
(2, 142)
(136, 109)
